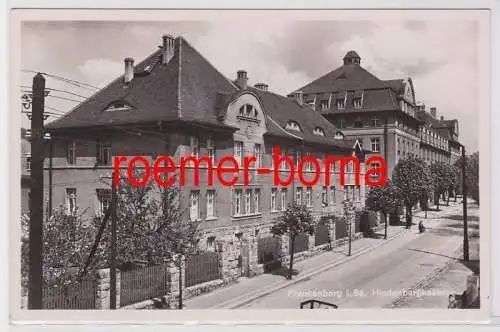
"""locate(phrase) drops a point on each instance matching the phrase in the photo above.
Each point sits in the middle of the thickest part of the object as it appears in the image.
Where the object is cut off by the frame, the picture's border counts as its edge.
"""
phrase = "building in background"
(176, 103)
(381, 114)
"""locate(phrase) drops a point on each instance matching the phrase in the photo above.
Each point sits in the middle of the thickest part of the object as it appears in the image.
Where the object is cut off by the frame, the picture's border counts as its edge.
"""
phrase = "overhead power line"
(67, 80)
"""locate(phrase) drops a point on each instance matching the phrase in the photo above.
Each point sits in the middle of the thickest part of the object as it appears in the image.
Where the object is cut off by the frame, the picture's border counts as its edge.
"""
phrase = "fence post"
(174, 282)
(285, 248)
(331, 230)
(223, 257)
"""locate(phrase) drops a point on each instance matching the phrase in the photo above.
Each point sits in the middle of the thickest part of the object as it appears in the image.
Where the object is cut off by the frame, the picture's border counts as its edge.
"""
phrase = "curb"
(247, 298)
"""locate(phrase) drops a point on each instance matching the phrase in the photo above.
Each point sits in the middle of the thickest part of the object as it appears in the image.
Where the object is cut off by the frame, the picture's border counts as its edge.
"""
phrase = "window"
(210, 203)
(283, 165)
(324, 104)
(375, 122)
(324, 196)
(194, 209)
(309, 197)
(340, 103)
(195, 147)
(211, 244)
(332, 195)
(71, 201)
(71, 155)
(318, 131)
(256, 198)
(258, 155)
(248, 111)
(308, 164)
(238, 152)
(118, 106)
(292, 125)
(339, 135)
(283, 199)
(273, 199)
(28, 163)
(211, 150)
(237, 202)
(357, 102)
(104, 154)
(248, 200)
(104, 199)
(375, 142)
(358, 123)
(298, 196)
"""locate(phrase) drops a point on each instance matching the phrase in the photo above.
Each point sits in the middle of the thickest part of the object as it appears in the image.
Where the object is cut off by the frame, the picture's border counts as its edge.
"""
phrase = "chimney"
(299, 97)
(442, 118)
(433, 112)
(262, 86)
(241, 79)
(167, 48)
(129, 70)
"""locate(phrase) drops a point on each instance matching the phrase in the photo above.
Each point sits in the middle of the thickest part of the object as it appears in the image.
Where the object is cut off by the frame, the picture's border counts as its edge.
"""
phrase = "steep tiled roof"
(186, 88)
(283, 109)
(396, 85)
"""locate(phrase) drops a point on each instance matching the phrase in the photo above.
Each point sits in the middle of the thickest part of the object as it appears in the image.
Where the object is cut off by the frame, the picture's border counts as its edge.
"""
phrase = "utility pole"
(464, 196)
(35, 300)
(112, 286)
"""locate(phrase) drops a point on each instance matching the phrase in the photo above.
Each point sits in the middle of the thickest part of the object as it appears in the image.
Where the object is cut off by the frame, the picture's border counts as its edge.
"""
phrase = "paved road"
(375, 279)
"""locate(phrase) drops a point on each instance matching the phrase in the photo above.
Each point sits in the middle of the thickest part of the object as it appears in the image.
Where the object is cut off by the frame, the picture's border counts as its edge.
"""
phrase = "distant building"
(381, 114)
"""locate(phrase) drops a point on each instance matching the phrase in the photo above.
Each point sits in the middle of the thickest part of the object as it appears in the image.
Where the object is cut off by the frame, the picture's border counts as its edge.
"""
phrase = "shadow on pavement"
(433, 253)
(460, 217)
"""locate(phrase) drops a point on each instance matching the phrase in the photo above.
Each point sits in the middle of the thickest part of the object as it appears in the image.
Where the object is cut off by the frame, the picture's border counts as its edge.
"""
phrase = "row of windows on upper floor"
(104, 154)
(244, 202)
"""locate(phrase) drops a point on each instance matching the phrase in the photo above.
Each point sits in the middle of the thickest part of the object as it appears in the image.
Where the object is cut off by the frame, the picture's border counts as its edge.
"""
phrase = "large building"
(176, 103)
(381, 114)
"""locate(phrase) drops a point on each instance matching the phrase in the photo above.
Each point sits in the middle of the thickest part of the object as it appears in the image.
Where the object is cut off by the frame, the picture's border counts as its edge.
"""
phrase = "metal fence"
(321, 234)
(144, 284)
(301, 243)
(202, 267)
(76, 296)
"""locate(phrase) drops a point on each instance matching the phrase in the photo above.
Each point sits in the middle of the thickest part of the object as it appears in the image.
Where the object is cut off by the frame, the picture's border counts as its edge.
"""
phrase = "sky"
(441, 57)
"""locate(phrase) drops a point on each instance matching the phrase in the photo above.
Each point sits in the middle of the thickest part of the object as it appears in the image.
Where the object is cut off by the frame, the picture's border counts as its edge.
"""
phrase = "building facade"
(381, 114)
(176, 103)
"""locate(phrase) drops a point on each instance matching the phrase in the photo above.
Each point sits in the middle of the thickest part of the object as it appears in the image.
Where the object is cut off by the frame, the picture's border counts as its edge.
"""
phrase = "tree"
(412, 177)
(384, 199)
(295, 220)
(442, 177)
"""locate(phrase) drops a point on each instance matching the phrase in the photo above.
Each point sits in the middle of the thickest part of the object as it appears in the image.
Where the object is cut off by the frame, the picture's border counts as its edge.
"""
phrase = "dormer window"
(324, 104)
(118, 106)
(292, 125)
(248, 111)
(318, 131)
(339, 135)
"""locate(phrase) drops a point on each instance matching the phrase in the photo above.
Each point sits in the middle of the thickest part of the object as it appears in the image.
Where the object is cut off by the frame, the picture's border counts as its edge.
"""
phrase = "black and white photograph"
(250, 160)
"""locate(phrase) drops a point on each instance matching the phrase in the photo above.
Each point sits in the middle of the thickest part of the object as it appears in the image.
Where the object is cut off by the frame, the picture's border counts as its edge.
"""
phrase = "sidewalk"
(247, 289)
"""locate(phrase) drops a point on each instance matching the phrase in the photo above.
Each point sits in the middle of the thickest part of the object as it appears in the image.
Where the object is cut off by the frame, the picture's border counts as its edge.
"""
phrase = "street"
(375, 279)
